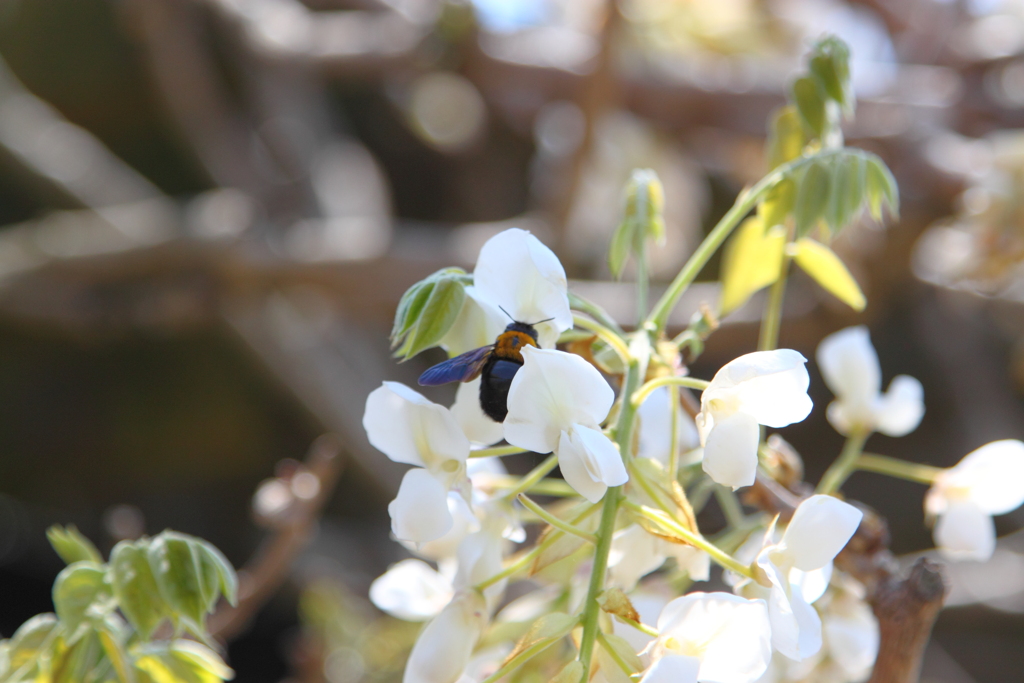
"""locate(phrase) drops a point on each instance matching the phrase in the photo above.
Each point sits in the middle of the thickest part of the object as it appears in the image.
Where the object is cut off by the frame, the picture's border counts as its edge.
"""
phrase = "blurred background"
(210, 208)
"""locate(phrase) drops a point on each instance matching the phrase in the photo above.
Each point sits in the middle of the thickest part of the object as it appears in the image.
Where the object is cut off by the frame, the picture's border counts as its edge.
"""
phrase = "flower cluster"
(607, 576)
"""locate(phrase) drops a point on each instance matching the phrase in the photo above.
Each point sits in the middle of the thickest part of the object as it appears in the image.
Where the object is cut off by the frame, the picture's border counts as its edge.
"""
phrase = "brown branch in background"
(261, 577)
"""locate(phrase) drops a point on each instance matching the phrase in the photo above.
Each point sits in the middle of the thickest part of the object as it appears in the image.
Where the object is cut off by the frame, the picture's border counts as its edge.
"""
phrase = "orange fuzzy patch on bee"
(509, 345)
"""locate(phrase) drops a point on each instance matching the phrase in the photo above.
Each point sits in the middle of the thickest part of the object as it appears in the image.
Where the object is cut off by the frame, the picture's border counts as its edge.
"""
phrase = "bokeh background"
(210, 208)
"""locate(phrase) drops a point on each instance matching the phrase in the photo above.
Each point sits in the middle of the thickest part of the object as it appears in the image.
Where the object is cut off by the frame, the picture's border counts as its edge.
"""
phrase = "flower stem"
(642, 394)
(555, 521)
(676, 426)
(612, 498)
(772, 320)
(658, 317)
(730, 505)
(894, 467)
(845, 464)
(544, 487)
(604, 334)
(578, 303)
(531, 479)
(643, 628)
(496, 451)
(613, 653)
(678, 530)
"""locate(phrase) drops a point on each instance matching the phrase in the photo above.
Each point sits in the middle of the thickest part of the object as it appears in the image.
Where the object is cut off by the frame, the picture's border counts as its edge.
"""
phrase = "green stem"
(772, 320)
(613, 653)
(578, 303)
(496, 451)
(894, 467)
(673, 527)
(658, 317)
(624, 437)
(642, 284)
(560, 524)
(604, 334)
(844, 465)
(544, 487)
(641, 394)
(731, 507)
(673, 453)
(643, 628)
(530, 480)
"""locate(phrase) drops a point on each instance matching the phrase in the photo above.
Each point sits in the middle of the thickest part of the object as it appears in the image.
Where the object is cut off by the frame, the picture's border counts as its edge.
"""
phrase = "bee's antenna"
(506, 313)
(541, 321)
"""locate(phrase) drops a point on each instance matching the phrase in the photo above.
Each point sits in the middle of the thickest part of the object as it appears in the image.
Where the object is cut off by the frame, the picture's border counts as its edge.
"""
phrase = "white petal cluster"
(655, 428)
(714, 637)
(556, 404)
(443, 649)
(849, 364)
(762, 388)
(517, 273)
(798, 567)
(988, 481)
(409, 428)
(636, 553)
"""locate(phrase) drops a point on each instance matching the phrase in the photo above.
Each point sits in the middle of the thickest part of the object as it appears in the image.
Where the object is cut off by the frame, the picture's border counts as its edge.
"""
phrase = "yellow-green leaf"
(615, 601)
(822, 264)
(752, 260)
(786, 138)
(570, 673)
(71, 545)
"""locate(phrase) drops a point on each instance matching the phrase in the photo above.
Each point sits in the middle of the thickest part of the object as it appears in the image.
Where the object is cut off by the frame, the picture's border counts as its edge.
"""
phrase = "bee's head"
(522, 327)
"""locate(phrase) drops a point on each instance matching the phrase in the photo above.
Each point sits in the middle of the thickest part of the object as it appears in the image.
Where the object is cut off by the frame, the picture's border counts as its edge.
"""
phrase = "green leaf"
(618, 250)
(642, 219)
(136, 589)
(752, 260)
(837, 213)
(438, 315)
(183, 661)
(117, 656)
(786, 139)
(811, 104)
(32, 640)
(812, 197)
(544, 633)
(830, 65)
(822, 264)
(881, 188)
(570, 673)
(413, 323)
(623, 650)
(176, 568)
(778, 203)
(79, 587)
(71, 545)
(227, 579)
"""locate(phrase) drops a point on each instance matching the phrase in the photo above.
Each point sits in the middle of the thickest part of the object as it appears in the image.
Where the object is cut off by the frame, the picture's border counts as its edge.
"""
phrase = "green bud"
(642, 219)
(428, 310)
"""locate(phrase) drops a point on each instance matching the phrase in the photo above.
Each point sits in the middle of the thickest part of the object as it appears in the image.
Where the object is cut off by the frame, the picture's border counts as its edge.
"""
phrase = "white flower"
(850, 367)
(988, 481)
(411, 590)
(517, 273)
(410, 429)
(556, 404)
(478, 428)
(655, 431)
(765, 387)
(819, 529)
(636, 553)
(478, 324)
(714, 637)
(443, 650)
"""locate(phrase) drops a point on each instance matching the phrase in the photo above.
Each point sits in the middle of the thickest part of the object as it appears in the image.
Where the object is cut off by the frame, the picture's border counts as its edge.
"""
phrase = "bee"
(495, 364)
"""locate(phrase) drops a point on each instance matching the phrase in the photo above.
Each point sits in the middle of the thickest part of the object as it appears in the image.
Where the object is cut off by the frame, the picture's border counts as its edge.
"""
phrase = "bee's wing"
(463, 368)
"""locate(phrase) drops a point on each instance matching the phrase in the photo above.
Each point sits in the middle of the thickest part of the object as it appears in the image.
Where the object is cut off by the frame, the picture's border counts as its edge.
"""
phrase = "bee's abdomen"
(495, 380)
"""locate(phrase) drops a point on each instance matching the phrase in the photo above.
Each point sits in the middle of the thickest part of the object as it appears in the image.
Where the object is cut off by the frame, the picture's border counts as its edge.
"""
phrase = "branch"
(268, 568)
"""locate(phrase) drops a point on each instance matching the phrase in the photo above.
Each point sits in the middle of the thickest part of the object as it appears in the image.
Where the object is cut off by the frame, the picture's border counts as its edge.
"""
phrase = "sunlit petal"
(769, 385)
(965, 532)
(408, 428)
(900, 410)
(600, 456)
(477, 427)
(820, 528)
(518, 273)
(730, 454)
(478, 324)
(420, 510)
(849, 364)
(443, 649)
(673, 669)
(992, 477)
(634, 554)
(572, 461)
(411, 590)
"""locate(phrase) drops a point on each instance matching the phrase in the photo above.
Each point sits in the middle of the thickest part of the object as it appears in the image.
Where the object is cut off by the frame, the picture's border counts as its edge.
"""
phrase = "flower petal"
(992, 477)
(849, 365)
(444, 647)
(420, 510)
(655, 428)
(965, 532)
(901, 408)
(852, 637)
(601, 457)
(820, 528)
(634, 554)
(464, 522)
(771, 386)
(518, 273)
(572, 463)
(407, 427)
(551, 392)
(477, 427)
(694, 561)
(730, 454)
(478, 324)
(673, 669)
(411, 590)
